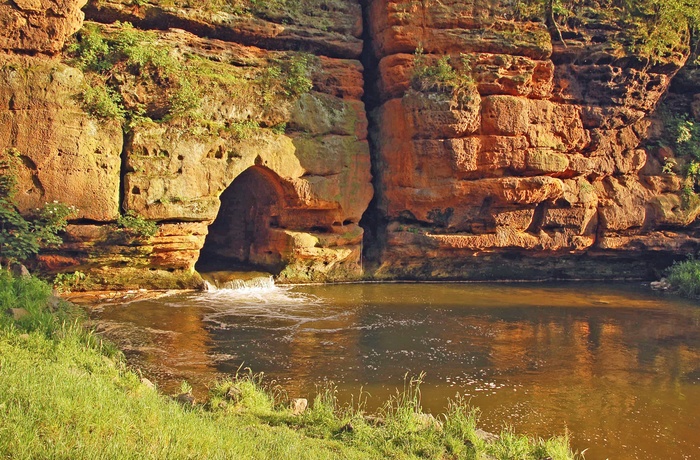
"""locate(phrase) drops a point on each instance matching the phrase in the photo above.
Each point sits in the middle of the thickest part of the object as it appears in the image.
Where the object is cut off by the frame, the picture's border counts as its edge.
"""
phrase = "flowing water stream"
(616, 365)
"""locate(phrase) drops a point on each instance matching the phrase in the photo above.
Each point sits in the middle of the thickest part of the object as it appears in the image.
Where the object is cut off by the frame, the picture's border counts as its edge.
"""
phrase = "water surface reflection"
(616, 365)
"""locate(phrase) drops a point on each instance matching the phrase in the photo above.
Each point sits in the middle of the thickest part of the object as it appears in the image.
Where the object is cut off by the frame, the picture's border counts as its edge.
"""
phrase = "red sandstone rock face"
(320, 169)
(536, 167)
(38, 26)
(545, 157)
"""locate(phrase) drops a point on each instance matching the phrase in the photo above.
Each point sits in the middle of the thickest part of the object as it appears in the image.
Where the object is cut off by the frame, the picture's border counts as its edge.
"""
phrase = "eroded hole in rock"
(243, 235)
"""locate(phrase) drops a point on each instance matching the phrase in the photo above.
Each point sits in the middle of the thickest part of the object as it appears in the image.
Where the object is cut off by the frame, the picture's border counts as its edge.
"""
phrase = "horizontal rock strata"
(497, 152)
(535, 156)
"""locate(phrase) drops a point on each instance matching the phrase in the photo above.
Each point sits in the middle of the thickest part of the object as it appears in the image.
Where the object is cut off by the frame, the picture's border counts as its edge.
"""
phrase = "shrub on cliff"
(21, 237)
(136, 227)
(136, 75)
(654, 29)
(113, 59)
(439, 75)
(682, 135)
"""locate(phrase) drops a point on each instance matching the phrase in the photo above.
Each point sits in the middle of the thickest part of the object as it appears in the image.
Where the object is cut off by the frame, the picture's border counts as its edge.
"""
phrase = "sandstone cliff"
(535, 166)
(305, 156)
(497, 152)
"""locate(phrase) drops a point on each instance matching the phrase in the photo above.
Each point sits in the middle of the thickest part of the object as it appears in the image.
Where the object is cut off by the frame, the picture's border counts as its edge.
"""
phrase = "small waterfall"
(257, 283)
(247, 289)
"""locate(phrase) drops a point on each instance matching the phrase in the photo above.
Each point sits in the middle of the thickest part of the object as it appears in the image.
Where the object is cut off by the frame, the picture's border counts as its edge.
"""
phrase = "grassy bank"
(684, 277)
(65, 394)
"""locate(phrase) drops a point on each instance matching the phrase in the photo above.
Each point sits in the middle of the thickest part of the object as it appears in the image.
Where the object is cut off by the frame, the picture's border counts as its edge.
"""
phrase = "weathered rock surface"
(67, 155)
(175, 171)
(538, 152)
(38, 26)
(333, 29)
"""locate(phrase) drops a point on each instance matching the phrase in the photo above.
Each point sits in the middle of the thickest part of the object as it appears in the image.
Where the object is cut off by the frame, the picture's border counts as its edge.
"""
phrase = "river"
(616, 365)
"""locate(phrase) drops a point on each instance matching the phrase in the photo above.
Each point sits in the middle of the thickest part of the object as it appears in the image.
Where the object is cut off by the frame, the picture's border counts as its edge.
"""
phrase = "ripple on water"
(617, 367)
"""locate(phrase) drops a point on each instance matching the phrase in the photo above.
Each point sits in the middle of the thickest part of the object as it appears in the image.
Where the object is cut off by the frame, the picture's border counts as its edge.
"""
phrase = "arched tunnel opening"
(241, 237)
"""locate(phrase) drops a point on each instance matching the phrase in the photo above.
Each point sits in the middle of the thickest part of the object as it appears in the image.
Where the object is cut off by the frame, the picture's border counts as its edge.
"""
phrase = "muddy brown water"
(618, 366)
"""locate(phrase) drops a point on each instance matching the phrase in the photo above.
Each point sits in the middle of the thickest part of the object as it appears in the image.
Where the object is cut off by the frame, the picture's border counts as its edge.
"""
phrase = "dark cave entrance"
(241, 237)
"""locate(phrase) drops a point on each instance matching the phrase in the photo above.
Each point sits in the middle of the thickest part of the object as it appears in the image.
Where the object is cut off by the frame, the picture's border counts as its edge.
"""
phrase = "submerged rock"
(661, 285)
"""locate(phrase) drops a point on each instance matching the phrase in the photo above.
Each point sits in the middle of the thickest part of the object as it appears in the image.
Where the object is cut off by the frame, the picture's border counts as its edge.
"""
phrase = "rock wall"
(516, 158)
(38, 26)
(532, 168)
(312, 148)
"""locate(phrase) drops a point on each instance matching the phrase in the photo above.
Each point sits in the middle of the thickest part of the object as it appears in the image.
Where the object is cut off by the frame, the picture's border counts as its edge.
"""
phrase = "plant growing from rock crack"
(682, 135)
(135, 227)
(439, 76)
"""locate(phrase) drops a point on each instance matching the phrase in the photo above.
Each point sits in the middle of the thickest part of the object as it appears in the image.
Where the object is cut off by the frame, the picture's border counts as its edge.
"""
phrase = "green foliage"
(287, 79)
(243, 392)
(243, 129)
(258, 8)
(185, 387)
(22, 237)
(440, 76)
(296, 78)
(279, 128)
(91, 50)
(27, 293)
(461, 424)
(136, 227)
(67, 282)
(45, 314)
(134, 77)
(186, 100)
(654, 29)
(682, 135)
(113, 58)
(104, 102)
(685, 277)
(139, 50)
(662, 27)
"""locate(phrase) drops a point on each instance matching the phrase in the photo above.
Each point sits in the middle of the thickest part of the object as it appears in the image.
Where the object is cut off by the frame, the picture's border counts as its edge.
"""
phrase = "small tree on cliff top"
(21, 238)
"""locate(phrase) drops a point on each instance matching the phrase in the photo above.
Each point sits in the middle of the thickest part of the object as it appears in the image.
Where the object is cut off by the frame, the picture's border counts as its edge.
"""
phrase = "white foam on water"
(262, 284)
(258, 294)
(258, 289)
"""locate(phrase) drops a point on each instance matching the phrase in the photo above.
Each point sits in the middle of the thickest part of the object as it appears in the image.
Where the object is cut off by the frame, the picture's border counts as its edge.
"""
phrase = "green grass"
(685, 277)
(66, 394)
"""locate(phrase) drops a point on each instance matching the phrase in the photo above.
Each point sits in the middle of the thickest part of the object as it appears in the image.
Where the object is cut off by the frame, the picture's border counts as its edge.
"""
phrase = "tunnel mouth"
(242, 237)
